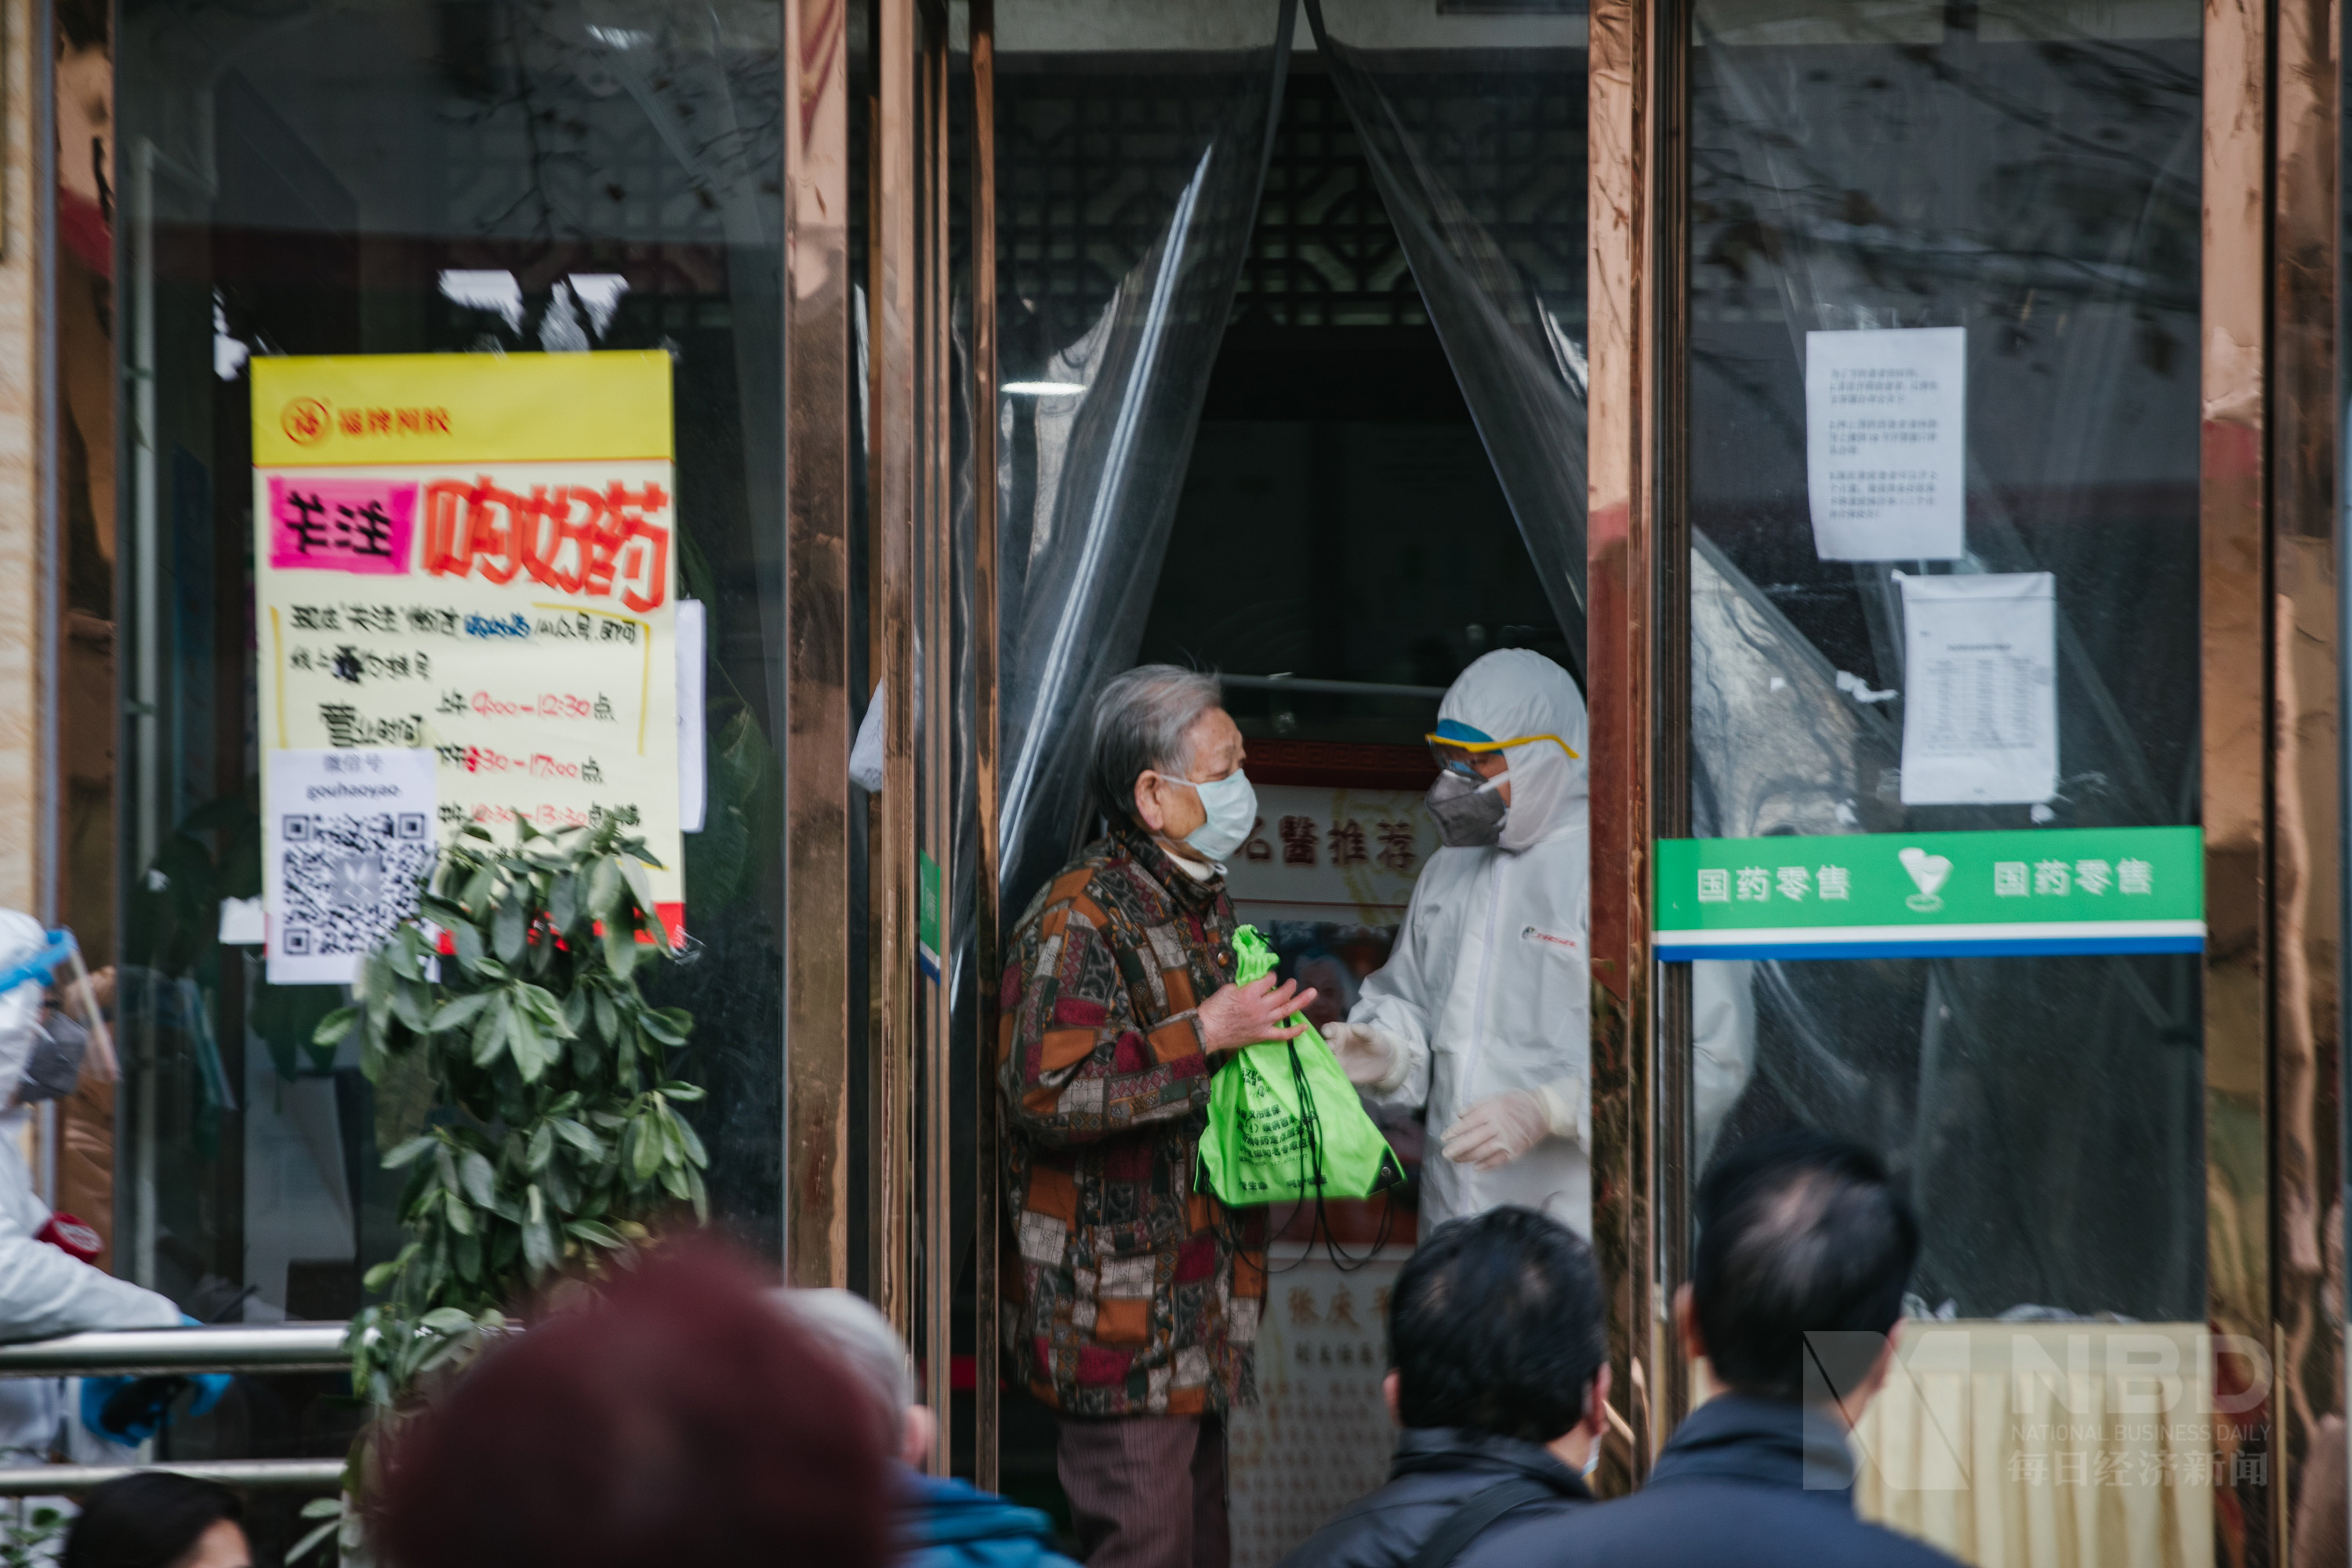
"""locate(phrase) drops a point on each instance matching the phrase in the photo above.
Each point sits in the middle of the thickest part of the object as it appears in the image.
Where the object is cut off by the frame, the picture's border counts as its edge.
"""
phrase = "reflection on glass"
(393, 176)
(2023, 182)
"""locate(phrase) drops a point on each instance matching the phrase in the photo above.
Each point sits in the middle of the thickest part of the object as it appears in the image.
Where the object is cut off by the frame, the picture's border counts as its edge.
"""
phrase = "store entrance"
(1349, 522)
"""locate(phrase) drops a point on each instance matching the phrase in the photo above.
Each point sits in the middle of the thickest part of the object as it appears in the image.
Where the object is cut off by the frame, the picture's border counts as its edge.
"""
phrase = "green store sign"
(1911, 895)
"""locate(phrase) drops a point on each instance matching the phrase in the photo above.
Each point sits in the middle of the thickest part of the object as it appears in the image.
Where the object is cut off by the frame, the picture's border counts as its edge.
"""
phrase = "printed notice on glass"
(472, 555)
(1979, 689)
(1886, 442)
(347, 837)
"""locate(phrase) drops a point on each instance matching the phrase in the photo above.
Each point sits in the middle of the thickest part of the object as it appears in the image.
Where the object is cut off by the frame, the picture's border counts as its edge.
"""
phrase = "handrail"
(1335, 687)
(254, 1475)
(232, 1347)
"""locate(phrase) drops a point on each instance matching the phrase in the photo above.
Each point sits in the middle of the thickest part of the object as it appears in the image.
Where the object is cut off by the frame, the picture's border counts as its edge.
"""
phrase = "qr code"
(351, 879)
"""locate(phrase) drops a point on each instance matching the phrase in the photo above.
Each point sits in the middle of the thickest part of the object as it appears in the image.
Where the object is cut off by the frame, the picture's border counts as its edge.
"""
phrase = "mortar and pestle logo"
(1929, 871)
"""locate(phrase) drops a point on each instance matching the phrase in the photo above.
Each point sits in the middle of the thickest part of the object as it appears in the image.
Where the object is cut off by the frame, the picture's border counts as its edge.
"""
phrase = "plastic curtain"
(1513, 324)
(2036, 185)
(1103, 365)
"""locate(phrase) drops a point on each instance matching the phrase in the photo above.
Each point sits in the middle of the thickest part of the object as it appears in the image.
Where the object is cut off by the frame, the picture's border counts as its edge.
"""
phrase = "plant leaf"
(335, 1026)
(604, 887)
(689, 1141)
(645, 1148)
(641, 886)
(507, 926)
(564, 900)
(479, 1179)
(408, 1153)
(457, 1012)
(620, 949)
(489, 1035)
(542, 1149)
(523, 1043)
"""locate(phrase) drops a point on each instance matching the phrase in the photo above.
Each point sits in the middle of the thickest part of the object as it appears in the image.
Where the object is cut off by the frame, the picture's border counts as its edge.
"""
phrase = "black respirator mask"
(1468, 811)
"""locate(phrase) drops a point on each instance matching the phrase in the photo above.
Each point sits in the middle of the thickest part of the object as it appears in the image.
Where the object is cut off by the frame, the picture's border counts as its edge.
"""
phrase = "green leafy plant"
(32, 1535)
(553, 1137)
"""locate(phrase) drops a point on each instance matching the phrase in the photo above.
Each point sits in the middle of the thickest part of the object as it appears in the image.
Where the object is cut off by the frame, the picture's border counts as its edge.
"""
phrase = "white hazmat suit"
(44, 1290)
(1483, 1012)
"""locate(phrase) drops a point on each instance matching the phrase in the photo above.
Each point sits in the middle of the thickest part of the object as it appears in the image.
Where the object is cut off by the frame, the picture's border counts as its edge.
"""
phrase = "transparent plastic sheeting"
(1104, 363)
(1513, 322)
(2033, 183)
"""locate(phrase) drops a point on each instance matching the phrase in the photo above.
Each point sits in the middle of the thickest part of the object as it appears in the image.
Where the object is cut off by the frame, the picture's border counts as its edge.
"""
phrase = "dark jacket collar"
(1776, 1442)
(1185, 893)
(1420, 1449)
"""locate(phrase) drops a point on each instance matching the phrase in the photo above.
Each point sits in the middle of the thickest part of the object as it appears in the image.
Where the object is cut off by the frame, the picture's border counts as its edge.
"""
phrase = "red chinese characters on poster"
(476, 554)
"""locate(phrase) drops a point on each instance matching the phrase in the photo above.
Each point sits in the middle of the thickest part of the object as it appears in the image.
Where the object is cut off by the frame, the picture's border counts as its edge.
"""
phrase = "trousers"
(1147, 1491)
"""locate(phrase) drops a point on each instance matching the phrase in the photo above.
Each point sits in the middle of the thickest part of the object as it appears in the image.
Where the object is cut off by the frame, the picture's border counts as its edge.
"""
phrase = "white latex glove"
(1499, 1130)
(1368, 1055)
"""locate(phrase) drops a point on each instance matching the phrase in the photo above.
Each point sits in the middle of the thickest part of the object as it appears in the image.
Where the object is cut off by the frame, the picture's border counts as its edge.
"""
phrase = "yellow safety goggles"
(1455, 754)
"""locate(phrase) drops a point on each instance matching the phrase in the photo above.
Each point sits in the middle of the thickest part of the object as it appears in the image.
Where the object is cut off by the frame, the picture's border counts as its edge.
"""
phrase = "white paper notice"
(1979, 689)
(347, 835)
(1887, 416)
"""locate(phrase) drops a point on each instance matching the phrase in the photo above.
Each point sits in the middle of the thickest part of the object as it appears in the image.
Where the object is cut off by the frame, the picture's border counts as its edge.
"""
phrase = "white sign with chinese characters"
(1331, 854)
(1886, 442)
(1319, 1436)
(1979, 689)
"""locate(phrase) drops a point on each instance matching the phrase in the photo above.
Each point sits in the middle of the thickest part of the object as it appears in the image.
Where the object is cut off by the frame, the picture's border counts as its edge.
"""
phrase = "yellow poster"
(476, 554)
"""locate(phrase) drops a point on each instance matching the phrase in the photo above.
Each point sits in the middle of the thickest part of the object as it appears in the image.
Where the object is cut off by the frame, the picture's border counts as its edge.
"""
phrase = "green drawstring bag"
(1285, 1124)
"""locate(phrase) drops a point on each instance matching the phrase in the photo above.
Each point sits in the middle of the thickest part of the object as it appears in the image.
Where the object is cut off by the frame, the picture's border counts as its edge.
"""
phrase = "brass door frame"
(1623, 672)
(819, 379)
(2306, 786)
(987, 956)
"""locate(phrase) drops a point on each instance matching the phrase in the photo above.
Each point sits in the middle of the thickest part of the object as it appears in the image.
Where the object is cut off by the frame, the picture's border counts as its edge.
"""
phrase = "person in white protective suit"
(1483, 1012)
(45, 1292)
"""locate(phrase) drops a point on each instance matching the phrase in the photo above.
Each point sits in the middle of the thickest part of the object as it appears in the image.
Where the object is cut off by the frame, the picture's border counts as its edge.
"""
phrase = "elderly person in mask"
(1140, 1293)
(1483, 1012)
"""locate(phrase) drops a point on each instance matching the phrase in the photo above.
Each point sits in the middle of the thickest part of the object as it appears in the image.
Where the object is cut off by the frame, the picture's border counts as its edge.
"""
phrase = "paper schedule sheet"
(1886, 442)
(1979, 689)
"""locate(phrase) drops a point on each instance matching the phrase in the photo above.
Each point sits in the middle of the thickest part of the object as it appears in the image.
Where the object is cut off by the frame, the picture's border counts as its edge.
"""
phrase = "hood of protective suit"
(21, 937)
(1512, 692)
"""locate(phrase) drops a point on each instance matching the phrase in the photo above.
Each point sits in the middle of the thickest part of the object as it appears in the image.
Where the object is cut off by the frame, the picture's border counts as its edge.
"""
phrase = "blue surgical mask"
(1232, 806)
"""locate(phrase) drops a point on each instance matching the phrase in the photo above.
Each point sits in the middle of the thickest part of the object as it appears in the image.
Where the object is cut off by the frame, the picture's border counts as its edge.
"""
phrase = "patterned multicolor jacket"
(1137, 1294)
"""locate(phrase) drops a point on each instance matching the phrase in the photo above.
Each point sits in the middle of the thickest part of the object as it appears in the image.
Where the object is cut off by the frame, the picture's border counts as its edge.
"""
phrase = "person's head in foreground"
(1167, 758)
(1496, 1325)
(941, 1522)
(860, 1340)
(678, 1416)
(158, 1520)
(1805, 1247)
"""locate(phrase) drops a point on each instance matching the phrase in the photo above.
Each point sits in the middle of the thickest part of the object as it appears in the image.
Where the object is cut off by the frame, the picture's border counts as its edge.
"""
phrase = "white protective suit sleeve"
(1392, 1004)
(44, 1290)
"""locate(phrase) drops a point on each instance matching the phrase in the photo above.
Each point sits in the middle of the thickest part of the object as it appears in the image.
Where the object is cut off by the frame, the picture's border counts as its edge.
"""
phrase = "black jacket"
(1436, 1469)
(1741, 1482)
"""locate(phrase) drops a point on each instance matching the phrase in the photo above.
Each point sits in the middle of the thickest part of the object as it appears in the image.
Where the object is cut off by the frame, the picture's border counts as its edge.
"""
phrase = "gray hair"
(864, 1344)
(1142, 722)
